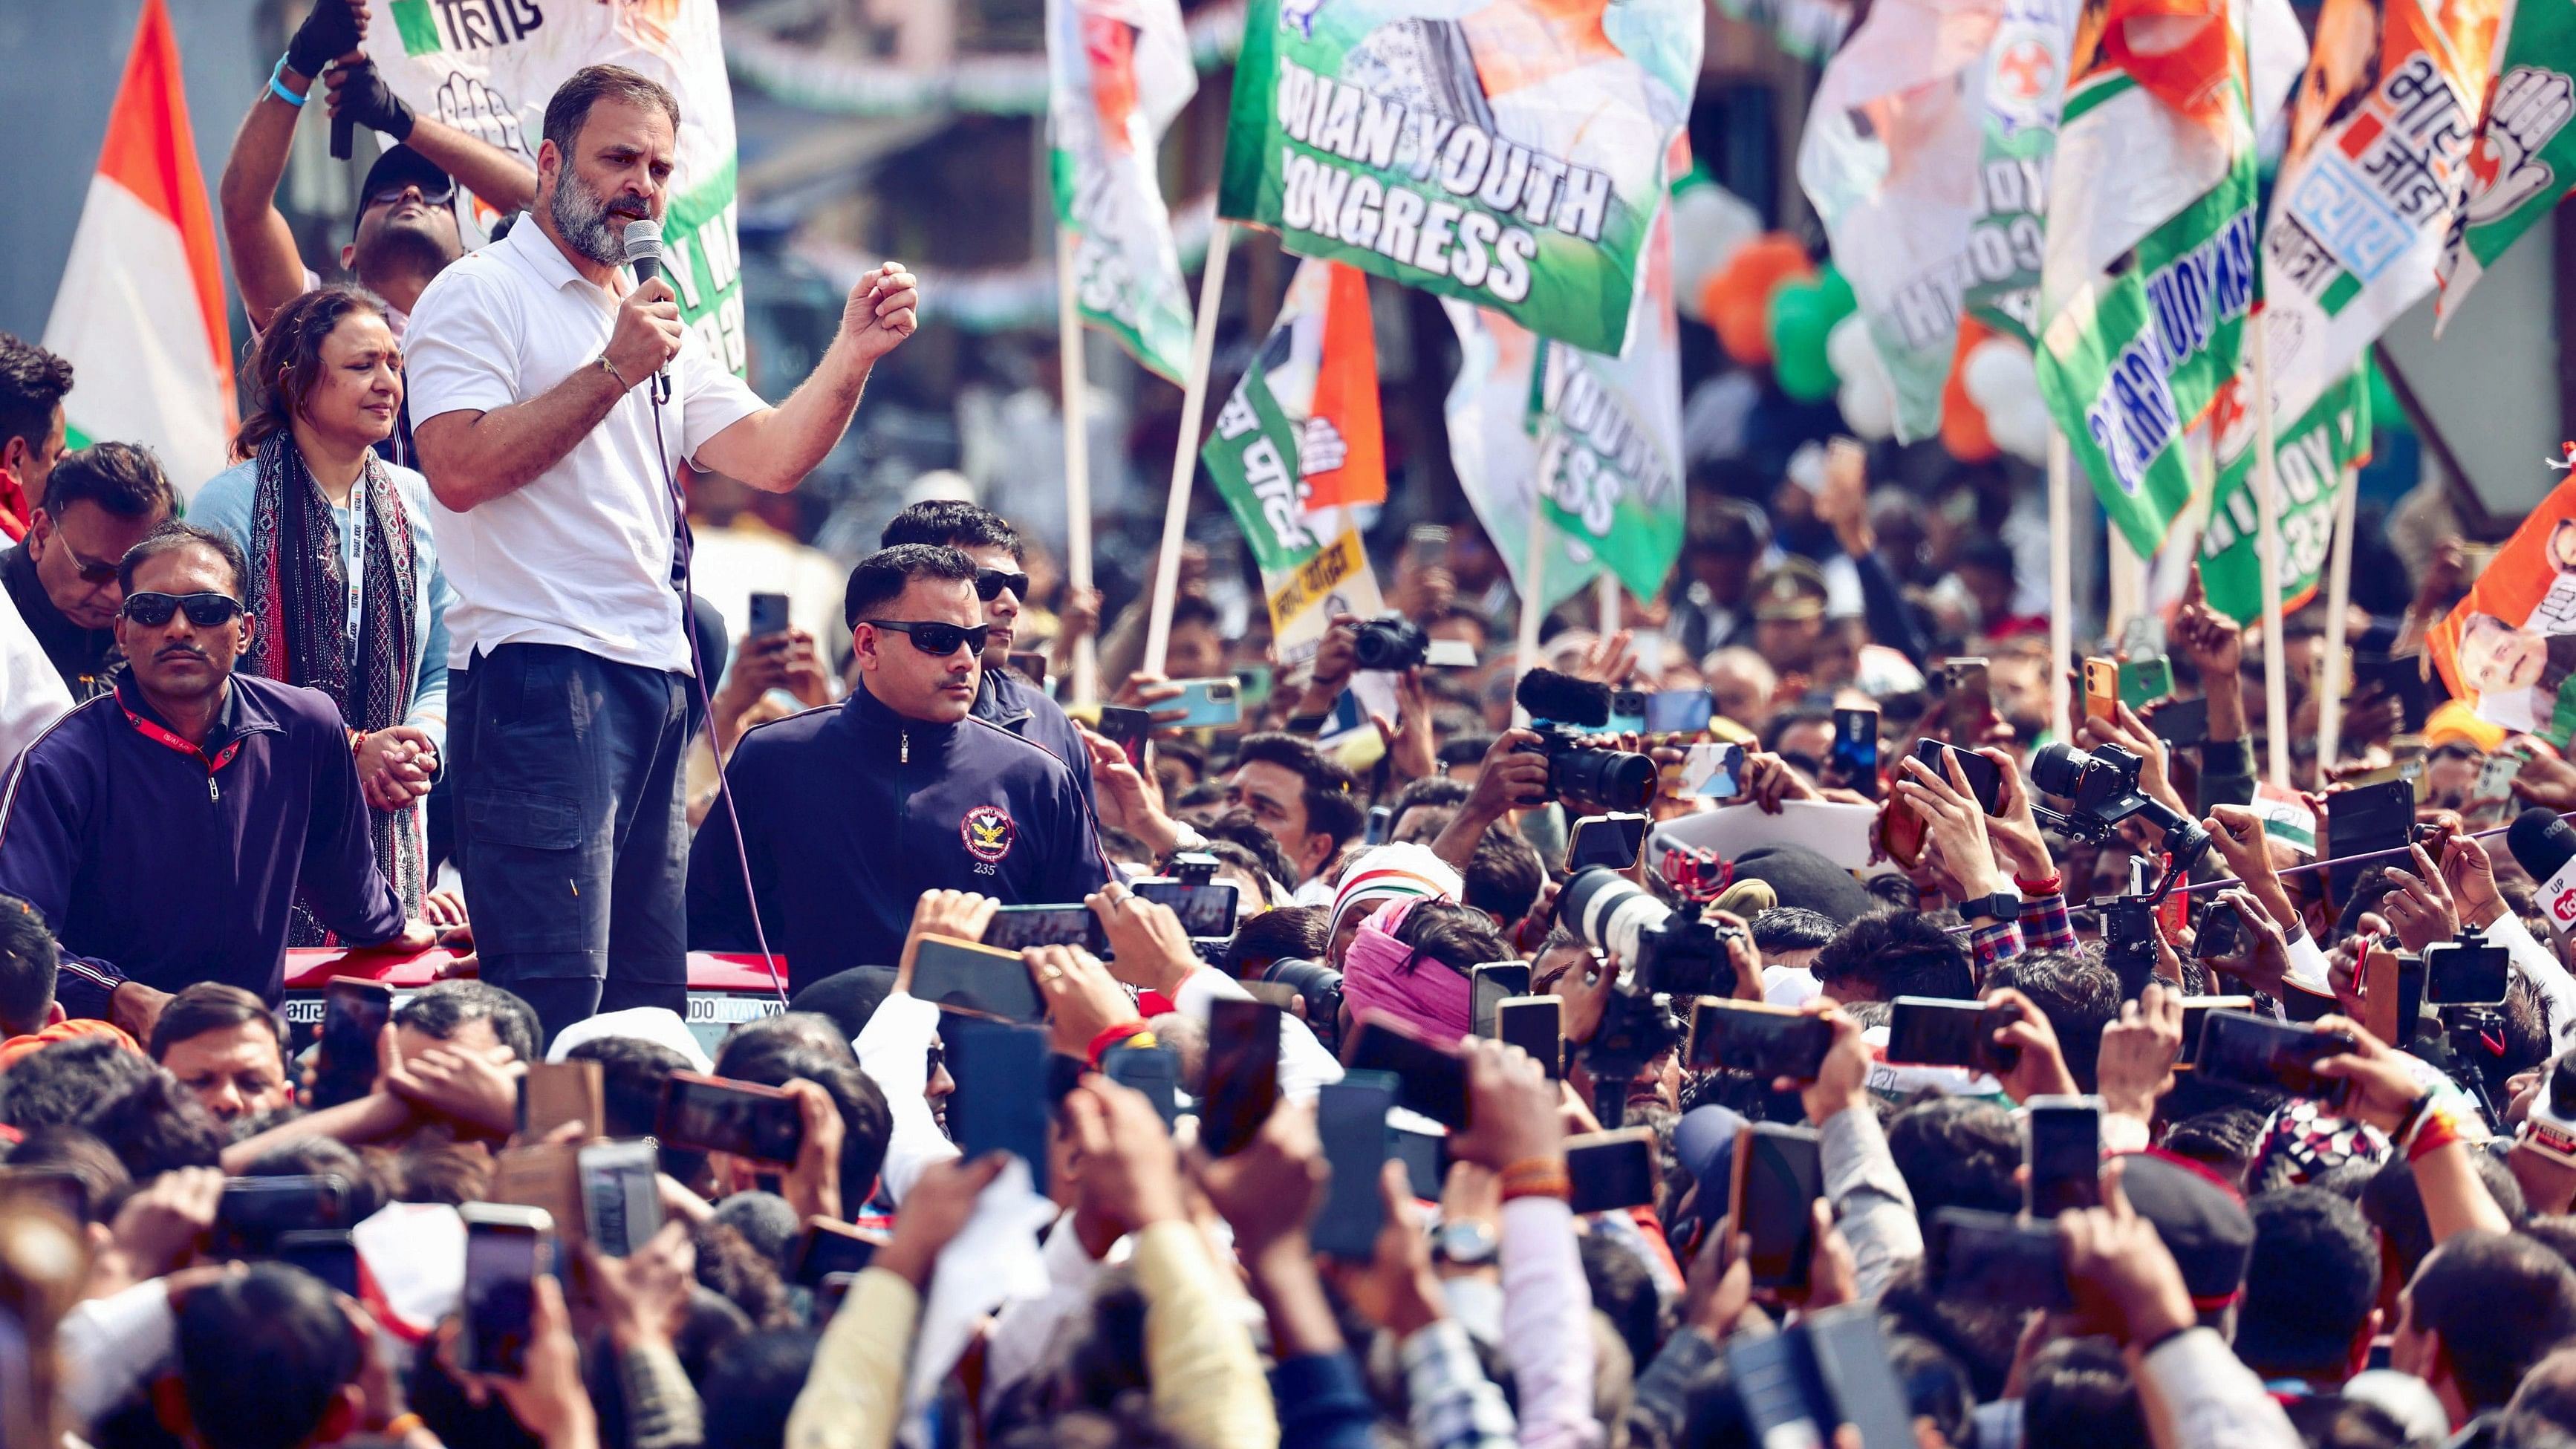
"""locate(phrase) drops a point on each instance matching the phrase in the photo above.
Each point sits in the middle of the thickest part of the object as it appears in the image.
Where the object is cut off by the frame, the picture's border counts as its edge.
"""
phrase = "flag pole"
(1076, 407)
(1176, 507)
(2338, 603)
(1605, 602)
(1533, 561)
(2061, 585)
(2267, 509)
(2128, 581)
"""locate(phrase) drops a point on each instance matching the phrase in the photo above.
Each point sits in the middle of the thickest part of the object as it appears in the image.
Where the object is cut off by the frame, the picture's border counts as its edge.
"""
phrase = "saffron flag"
(2509, 648)
(140, 310)
(2524, 159)
(1118, 71)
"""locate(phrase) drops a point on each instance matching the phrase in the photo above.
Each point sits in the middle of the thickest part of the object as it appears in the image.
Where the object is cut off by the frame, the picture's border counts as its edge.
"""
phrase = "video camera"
(1590, 780)
(2103, 784)
(1665, 954)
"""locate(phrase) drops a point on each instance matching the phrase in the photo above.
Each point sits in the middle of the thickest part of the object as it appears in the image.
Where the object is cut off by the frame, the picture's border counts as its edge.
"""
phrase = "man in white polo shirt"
(531, 368)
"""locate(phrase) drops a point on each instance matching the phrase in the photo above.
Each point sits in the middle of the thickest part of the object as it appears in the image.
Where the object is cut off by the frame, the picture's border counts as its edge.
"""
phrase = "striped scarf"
(299, 600)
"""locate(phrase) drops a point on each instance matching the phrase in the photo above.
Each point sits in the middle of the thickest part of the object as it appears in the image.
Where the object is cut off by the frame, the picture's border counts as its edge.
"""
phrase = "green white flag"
(2310, 455)
(1118, 71)
(2524, 159)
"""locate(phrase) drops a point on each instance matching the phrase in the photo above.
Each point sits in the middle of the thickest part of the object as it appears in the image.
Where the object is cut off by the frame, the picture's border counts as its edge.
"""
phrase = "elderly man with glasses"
(849, 813)
(165, 829)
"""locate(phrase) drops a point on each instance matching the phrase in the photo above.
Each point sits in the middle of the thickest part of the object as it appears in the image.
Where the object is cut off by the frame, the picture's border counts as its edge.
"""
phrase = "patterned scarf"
(299, 598)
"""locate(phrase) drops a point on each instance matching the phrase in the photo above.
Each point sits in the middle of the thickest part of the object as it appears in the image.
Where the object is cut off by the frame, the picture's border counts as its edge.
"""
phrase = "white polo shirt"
(580, 556)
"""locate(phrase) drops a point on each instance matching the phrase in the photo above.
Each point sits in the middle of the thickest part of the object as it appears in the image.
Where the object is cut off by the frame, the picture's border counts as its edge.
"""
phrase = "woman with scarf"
(345, 592)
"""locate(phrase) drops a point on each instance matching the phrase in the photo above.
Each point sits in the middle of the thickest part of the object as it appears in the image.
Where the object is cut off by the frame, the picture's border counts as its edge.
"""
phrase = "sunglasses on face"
(989, 584)
(206, 611)
(938, 640)
(439, 193)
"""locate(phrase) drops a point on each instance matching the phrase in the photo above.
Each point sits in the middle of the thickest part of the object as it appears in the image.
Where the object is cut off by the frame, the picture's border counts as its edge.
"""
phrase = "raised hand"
(881, 311)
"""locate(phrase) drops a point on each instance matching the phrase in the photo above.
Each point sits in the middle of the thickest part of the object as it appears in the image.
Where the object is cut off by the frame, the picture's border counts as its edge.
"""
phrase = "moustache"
(182, 651)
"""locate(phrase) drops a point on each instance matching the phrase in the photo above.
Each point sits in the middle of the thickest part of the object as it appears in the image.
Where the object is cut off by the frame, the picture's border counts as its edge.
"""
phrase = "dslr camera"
(2102, 785)
(1666, 954)
(1390, 644)
(1589, 780)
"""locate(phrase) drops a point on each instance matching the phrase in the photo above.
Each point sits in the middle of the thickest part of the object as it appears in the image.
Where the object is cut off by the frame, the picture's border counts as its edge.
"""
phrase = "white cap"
(657, 1024)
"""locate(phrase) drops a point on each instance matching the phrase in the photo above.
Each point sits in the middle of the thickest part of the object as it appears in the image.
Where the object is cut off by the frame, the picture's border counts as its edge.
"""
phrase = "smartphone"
(621, 1197)
(1777, 1177)
(1242, 1074)
(553, 1093)
(1711, 772)
(830, 1247)
(768, 616)
(2129, 944)
(1425, 1156)
(1976, 1256)
(2144, 680)
(2061, 1144)
(1015, 928)
(1627, 712)
(967, 976)
(1942, 1032)
(1381, 825)
(2495, 777)
(1152, 1070)
(1617, 840)
(354, 1014)
(2195, 1010)
(1205, 704)
(505, 1249)
(1854, 758)
(1782, 1394)
(1967, 700)
(253, 1211)
(2410, 1000)
(1127, 729)
(1350, 1120)
(1851, 1358)
(2400, 679)
(1029, 664)
(1535, 1024)
(329, 1254)
(2363, 819)
(1611, 1171)
(1492, 984)
(1253, 684)
(1985, 777)
(1428, 542)
(1433, 1080)
(1679, 711)
(2219, 933)
(2101, 688)
(1001, 1102)
(1206, 911)
(718, 1114)
(1767, 1041)
(2459, 974)
(2240, 1046)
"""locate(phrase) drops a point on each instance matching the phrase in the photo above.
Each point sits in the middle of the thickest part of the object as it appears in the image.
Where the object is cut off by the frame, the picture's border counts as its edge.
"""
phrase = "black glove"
(329, 32)
(364, 97)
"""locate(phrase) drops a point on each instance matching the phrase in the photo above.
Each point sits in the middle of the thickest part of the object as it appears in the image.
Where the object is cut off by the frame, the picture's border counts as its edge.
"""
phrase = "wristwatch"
(1467, 1242)
(2001, 906)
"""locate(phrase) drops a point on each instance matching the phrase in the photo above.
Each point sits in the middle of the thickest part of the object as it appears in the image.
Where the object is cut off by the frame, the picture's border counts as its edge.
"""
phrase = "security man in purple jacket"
(165, 829)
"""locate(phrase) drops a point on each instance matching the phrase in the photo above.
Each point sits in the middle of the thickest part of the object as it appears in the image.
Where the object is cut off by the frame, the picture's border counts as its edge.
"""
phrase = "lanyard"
(353, 566)
(164, 738)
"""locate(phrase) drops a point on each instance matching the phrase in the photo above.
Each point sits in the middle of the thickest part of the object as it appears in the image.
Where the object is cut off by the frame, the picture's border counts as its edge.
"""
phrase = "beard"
(587, 221)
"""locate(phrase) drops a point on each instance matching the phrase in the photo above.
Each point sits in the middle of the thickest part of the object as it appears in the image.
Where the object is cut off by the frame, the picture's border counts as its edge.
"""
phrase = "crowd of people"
(1276, 1177)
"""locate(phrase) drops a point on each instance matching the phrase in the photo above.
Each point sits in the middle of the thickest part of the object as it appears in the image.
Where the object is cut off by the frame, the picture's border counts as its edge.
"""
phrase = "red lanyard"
(167, 740)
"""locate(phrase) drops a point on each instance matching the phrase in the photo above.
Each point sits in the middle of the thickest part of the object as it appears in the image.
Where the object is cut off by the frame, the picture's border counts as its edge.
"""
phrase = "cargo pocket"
(536, 885)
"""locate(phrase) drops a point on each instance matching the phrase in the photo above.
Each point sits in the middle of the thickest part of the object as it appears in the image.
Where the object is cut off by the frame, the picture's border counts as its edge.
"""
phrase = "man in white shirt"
(532, 369)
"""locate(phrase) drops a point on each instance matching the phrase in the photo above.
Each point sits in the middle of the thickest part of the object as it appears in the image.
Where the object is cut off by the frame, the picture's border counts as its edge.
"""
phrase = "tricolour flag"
(2509, 648)
(2524, 159)
(2311, 451)
(140, 311)
(1118, 71)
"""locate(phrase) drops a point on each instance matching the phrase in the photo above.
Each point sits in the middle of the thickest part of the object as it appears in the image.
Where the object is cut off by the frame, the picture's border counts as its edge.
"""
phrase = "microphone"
(1562, 698)
(2545, 846)
(643, 239)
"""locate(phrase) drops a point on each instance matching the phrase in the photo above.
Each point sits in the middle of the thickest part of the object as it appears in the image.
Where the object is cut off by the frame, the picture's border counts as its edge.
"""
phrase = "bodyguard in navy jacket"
(165, 829)
(852, 811)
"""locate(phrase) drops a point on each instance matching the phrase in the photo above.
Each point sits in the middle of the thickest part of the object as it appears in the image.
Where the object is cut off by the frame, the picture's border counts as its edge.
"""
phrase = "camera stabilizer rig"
(2102, 788)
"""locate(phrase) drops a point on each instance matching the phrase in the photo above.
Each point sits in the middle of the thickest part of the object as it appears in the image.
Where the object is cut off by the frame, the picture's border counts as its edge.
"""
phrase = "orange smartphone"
(2101, 688)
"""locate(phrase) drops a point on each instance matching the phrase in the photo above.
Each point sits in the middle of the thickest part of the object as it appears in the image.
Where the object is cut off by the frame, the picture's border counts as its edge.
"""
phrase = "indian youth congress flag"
(2312, 452)
(2379, 142)
(1297, 446)
(488, 67)
(2524, 159)
(1118, 71)
(140, 310)
(1508, 155)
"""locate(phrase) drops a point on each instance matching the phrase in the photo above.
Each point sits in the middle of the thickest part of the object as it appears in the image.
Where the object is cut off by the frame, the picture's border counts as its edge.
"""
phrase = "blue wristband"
(280, 91)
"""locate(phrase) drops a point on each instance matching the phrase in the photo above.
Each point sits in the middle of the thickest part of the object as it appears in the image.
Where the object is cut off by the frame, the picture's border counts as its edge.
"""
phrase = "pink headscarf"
(1382, 974)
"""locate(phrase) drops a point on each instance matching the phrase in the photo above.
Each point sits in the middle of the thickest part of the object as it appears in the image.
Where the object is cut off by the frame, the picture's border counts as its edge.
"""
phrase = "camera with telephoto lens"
(1390, 644)
(1590, 780)
(1666, 955)
(2102, 785)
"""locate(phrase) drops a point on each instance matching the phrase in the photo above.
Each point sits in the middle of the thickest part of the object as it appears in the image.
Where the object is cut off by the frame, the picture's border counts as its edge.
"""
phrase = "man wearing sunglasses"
(98, 502)
(850, 813)
(1001, 580)
(166, 830)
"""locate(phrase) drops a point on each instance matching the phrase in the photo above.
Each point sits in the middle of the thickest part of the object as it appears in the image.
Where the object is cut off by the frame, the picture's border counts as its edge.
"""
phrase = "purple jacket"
(157, 862)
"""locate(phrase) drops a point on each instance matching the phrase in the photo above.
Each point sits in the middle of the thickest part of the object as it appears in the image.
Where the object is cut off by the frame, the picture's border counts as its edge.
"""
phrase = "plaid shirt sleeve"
(2045, 925)
(1995, 943)
(1454, 1406)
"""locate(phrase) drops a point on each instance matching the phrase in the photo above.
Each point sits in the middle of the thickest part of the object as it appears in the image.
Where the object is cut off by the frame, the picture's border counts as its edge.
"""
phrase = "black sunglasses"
(205, 610)
(938, 640)
(989, 584)
(443, 194)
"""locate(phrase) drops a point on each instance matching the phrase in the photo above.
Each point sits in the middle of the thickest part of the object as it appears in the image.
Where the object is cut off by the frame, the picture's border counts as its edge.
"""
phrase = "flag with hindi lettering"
(2523, 161)
(1297, 447)
(1118, 71)
(139, 313)
(2509, 648)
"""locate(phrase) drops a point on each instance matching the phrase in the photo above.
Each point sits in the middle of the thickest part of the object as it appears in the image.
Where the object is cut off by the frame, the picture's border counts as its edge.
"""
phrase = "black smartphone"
(2410, 1001)
(1854, 757)
(1492, 984)
(976, 978)
(1767, 1041)
(768, 616)
(1381, 825)
(1611, 1171)
(505, 1249)
(1617, 840)
(1985, 780)
(2459, 974)
(354, 1014)
(1152, 1070)
(2129, 944)
(2240, 1046)
(1206, 911)
(2195, 1010)
(1425, 1155)
(1242, 1073)
(1967, 700)
(2400, 679)
(1782, 1394)
(2362, 820)
(1678, 711)
(2061, 1144)
(329, 1254)
(718, 1114)
(1535, 1024)
(621, 1195)
(1976, 1256)
(2182, 722)
(1001, 1102)
(1851, 1359)
(1777, 1178)
(254, 1211)
(1127, 729)
(1434, 1080)
(2219, 932)
(1350, 1120)
(1015, 928)
(1942, 1032)
(830, 1247)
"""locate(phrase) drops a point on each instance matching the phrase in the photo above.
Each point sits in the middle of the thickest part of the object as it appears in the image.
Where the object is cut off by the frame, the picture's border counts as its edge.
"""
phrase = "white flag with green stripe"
(1118, 71)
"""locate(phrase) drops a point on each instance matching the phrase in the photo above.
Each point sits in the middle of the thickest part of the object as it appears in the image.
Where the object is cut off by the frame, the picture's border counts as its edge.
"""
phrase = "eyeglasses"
(938, 640)
(442, 194)
(205, 610)
(989, 584)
